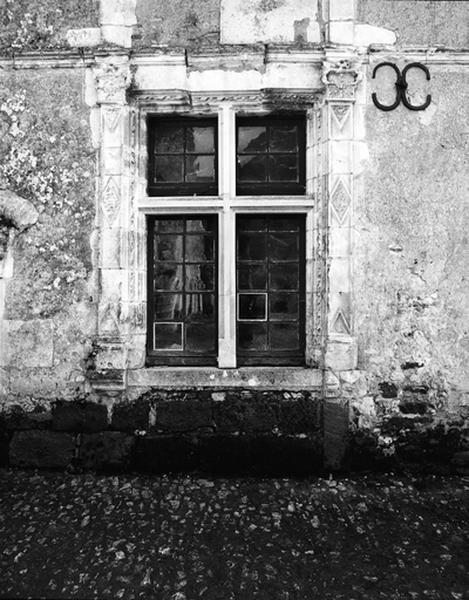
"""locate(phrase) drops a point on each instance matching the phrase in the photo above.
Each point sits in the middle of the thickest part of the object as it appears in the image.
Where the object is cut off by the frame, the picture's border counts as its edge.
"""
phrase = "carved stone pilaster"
(112, 78)
(340, 75)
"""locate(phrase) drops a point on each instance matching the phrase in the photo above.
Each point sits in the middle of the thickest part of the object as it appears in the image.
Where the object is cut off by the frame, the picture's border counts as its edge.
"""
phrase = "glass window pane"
(200, 337)
(252, 306)
(200, 139)
(284, 224)
(200, 168)
(252, 139)
(283, 306)
(169, 138)
(284, 336)
(283, 167)
(252, 336)
(169, 225)
(201, 225)
(168, 247)
(283, 246)
(252, 168)
(283, 137)
(199, 248)
(284, 276)
(200, 307)
(168, 307)
(168, 276)
(199, 277)
(251, 223)
(168, 169)
(251, 246)
(168, 336)
(252, 277)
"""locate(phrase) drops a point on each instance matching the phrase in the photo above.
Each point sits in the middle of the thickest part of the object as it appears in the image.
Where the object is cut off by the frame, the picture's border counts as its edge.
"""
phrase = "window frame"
(226, 204)
(277, 188)
(179, 188)
(271, 357)
(178, 357)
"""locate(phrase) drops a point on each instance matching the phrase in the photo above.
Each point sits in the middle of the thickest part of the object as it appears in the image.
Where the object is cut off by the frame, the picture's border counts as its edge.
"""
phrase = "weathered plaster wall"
(411, 269)
(46, 158)
(43, 24)
(177, 22)
(420, 23)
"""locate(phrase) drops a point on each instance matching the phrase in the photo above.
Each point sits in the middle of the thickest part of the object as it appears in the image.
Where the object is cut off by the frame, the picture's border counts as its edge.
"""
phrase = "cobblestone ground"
(182, 538)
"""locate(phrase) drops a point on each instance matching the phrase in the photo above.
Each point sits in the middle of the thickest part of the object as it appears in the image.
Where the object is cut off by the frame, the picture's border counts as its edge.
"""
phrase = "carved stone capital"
(341, 78)
(112, 79)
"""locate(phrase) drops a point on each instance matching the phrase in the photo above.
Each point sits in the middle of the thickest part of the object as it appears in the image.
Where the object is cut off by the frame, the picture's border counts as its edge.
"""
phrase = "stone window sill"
(288, 378)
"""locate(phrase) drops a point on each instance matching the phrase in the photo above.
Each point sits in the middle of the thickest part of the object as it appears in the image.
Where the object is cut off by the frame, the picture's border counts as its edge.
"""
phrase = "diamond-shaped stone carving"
(340, 323)
(111, 199)
(341, 113)
(340, 200)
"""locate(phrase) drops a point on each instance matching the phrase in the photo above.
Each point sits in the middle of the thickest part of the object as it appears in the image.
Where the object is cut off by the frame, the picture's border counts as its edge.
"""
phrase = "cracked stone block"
(106, 450)
(42, 449)
(79, 416)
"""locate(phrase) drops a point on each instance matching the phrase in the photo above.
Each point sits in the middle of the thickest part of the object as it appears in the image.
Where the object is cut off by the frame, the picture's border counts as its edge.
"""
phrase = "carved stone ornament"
(341, 113)
(112, 81)
(341, 324)
(340, 200)
(111, 199)
(340, 78)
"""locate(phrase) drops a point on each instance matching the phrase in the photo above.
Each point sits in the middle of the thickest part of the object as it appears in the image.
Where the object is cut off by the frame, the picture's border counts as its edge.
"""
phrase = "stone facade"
(385, 379)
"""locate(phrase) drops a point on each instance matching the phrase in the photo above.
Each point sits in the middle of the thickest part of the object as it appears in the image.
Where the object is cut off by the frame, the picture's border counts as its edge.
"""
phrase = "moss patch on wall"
(43, 24)
(420, 23)
(177, 22)
(47, 158)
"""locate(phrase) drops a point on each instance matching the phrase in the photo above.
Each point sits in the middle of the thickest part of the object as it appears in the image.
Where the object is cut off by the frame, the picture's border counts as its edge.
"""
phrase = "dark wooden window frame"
(179, 357)
(208, 188)
(277, 188)
(280, 357)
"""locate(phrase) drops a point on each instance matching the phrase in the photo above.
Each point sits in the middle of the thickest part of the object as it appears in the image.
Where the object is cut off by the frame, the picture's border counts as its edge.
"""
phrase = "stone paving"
(185, 537)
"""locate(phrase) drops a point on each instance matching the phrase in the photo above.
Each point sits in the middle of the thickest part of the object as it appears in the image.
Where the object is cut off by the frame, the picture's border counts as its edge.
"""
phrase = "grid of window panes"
(182, 157)
(270, 156)
(183, 296)
(270, 289)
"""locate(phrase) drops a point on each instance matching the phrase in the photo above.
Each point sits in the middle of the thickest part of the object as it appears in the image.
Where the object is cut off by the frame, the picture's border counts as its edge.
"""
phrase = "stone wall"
(47, 159)
(43, 24)
(387, 332)
(433, 24)
(227, 431)
(410, 274)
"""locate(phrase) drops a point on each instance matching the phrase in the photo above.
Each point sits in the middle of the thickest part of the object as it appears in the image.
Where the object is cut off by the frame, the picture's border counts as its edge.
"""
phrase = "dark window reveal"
(182, 290)
(270, 156)
(270, 289)
(182, 157)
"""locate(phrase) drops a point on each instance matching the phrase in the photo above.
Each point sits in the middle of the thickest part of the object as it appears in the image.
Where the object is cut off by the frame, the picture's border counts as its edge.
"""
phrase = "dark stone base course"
(42, 449)
(108, 450)
(267, 455)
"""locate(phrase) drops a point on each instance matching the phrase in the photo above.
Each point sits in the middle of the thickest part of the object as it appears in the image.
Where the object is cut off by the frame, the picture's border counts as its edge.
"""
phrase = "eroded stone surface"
(42, 449)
